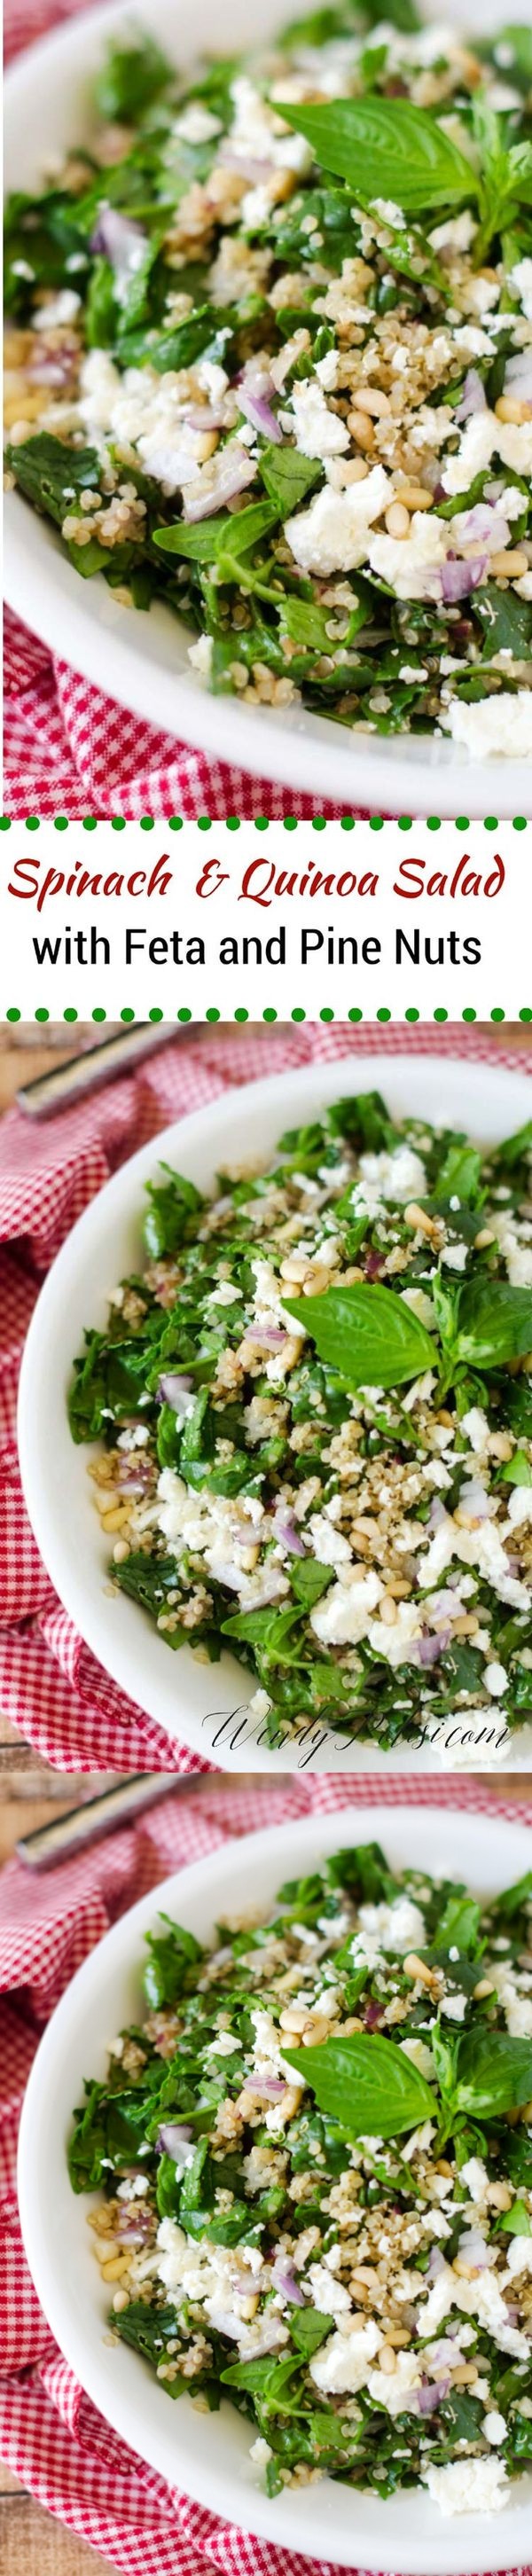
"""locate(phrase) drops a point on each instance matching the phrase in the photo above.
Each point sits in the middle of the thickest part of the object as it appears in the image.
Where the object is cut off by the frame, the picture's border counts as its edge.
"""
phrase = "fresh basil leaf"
(309, 1579)
(459, 1924)
(132, 77)
(171, 1203)
(288, 477)
(516, 2221)
(363, 1117)
(493, 2073)
(230, 533)
(518, 1470)
(367, 1332)
(308, 2328)
(47, 472)
(459, 1174)
(493, 1324)
(367, 2083)
(514, 1898)
(171, 1954)
(517, 1148)
(385, 146)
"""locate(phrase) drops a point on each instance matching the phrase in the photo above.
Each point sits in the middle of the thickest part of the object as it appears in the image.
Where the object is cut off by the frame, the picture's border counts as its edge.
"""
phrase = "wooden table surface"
(32, 2542)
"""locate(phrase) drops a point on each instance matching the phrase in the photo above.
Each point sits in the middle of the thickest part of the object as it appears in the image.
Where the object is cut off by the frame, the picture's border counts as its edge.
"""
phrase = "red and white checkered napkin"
(51, 2436)
(50, 1685)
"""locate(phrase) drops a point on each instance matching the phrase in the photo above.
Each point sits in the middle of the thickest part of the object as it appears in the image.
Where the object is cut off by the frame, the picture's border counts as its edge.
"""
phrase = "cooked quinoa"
(316, 2157)
(315, 1405)
(275, 368)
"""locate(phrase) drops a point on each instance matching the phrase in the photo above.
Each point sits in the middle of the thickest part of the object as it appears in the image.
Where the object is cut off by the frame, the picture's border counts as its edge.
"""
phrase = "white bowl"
(209, 2457)
(143, 660)
(205, 1705)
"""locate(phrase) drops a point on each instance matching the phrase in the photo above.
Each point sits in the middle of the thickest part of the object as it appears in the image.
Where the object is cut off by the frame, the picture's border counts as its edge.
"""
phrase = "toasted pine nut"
(466, 1625)
(509, 408)
(415, 496)
(388, 1610)
(396, 520)
(369, 398)
(510, 564)
(465, 2376)
(120, 2300)
(417, 1968)
(111, 2271)
(361, 428)
(484, 1238)
(417, 1217)
(500, 2196)
(484, 1988)
(500, 1445)
(387, 2359)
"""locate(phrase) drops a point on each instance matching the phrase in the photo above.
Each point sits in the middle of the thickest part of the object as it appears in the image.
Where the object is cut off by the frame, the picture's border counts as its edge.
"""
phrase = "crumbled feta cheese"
(494, 2426)
(409, 563)
(484, 435)
(332, 534)
(496, 1680)
(196, 124)
(498, 726)
(521, 279)
(342, 2364)
(345, 1614)
(61, 308)
(319, 431)
(469, 2486)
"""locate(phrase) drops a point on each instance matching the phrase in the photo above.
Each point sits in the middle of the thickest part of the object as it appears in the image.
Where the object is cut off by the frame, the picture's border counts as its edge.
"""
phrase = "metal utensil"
(79, 1074)
(69, 1832)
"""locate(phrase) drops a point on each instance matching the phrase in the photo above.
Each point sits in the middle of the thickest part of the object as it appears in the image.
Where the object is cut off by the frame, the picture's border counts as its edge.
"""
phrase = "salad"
(313, 1407)
(314, 2161)
(269, 359)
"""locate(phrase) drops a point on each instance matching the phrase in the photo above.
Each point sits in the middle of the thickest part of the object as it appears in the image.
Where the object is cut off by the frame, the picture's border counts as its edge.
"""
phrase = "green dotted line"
(260, 823)
(269, 1015)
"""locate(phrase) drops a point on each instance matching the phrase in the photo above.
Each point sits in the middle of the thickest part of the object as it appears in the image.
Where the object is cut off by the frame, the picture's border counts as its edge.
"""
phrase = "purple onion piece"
(458, 579)
(429, 1649)
(269, 1336)
(485, 525)
(200, 416)
(288, 1534)
(285, 2280)
(121, 240)
(473, 2249)
(271, 2086)
(173, 2139)
(257, 409)
(473, 397)
(373, 2015)
(431, 2394)
(175, 1390)
(219, 482)
(436, 2262)
(437, 1514)
(374, 1264)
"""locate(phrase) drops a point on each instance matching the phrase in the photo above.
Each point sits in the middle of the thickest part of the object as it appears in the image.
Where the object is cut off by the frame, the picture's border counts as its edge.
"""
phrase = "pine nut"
(369, 398)
(120, 2300)
(484, 1238)
(466, 1625)
(388, 1610)
(417, 1968)
(112, 2271)
(465, 2376)
(415, 496)
(510, 564)
(417, 1217)
(295, 2018)
(509, 408)
(484, 1988)
(397, 520)
(500, 1445)
(500, 2196)
(361, 428)
(387, 2359)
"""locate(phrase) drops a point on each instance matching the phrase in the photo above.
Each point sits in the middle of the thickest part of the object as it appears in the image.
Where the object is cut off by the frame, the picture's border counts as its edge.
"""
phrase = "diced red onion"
(272, 2086)
(458, 579)
(122, 241)
(285, 2280)
(54, 369)
(437, 1514)
(436, 2262)
(373, 1265)
(256, 406)
(271, 1336)
(132, 2233)
(485, 525)
(252, 170)
(429, 1649)
(218, 482)
(373, 2015)
(287, 1532)
(174, 2140)
(441, 1605)
(431, 2394)
(176, 1391)
(473, 397)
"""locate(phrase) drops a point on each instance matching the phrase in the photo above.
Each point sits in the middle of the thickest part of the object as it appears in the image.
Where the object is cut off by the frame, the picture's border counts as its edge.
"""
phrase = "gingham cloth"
(51, 1687)
(50, 2433)
(69, 749)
